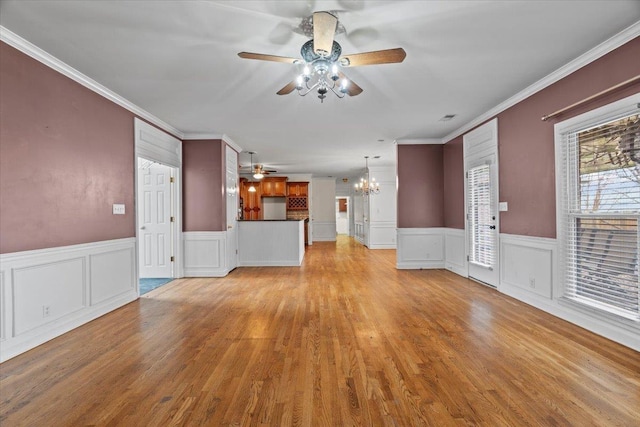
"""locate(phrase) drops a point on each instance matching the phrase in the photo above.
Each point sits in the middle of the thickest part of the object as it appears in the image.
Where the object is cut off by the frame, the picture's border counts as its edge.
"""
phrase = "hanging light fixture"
(320, 72)
(252, 189)
(366, 187)
(257, 171)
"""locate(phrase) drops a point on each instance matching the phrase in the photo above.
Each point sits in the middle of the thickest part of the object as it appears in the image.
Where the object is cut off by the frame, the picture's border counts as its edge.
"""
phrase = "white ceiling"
(178, 61)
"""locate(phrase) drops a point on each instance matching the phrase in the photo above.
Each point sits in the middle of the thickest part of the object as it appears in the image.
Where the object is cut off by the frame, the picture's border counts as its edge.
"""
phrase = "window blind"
(601, 211)
(480, 216)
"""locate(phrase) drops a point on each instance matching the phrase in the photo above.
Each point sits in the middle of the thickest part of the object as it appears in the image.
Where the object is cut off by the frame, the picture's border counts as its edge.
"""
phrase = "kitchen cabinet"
(274, 187)
(297, 198)
(251, 202)
(298, 189)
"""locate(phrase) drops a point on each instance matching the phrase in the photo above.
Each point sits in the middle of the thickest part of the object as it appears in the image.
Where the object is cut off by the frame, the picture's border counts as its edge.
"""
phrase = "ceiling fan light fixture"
(258, 175)
(344, 85)
(322, 59)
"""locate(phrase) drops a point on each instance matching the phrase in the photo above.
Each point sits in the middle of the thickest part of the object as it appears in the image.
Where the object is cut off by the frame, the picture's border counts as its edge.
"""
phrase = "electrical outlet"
(46, 311)
(532, 282)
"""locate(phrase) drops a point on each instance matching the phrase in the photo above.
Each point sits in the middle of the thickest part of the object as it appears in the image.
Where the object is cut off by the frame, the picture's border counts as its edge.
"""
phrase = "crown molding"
(54, 63)
(417, 141)
(195, 135)
(597, 52)
(231, 143)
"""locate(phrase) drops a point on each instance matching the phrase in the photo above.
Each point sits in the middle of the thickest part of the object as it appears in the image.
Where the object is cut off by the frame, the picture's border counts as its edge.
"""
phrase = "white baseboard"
(45, 293)
(205, 254)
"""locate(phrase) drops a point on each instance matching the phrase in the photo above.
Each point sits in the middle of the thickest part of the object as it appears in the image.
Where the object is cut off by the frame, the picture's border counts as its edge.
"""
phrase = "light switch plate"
(118, 209)
(503, 207)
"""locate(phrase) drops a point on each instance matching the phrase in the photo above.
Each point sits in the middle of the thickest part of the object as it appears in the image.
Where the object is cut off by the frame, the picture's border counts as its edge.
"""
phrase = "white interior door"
(154, 221)
(481, 203)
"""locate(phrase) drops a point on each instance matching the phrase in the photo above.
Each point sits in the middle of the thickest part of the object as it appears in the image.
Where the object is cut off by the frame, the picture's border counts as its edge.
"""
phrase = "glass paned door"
(482, 223)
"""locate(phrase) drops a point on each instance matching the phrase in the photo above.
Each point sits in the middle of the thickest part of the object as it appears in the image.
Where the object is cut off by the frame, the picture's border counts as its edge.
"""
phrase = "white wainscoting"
(526, 258)
(420, 248)
(205, 253)
(382, 235)
(47, 292)
(455, 251)
(437, 247)
(324, 231)
(528, 272)
(527, 263)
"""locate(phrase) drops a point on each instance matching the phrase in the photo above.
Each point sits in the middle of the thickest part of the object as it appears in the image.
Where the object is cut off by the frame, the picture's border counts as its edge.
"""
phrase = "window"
(599, 208)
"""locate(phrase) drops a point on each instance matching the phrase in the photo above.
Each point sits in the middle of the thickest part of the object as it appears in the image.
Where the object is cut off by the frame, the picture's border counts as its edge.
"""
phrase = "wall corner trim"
(231, 143)
(65, 69)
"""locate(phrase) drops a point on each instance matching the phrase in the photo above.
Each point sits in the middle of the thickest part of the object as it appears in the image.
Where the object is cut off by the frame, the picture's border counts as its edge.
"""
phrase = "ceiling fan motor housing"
(309, 55)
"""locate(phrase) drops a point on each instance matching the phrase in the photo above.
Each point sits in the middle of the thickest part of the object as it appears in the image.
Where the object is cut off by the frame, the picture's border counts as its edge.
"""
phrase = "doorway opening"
(342, 215)
(158, 203)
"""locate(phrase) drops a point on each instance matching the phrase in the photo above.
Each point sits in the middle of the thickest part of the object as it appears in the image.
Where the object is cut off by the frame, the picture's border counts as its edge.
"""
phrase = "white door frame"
(154, 144)
(231, 207)
(480, 145)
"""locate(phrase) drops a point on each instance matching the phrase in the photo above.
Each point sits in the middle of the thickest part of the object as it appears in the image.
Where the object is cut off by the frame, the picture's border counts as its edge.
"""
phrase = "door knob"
(229, 227)
(492, 227)
(142, 228)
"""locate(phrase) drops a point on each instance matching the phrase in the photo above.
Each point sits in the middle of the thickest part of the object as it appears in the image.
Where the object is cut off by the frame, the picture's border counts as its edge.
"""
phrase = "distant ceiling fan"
(258, 171)
(322, 59)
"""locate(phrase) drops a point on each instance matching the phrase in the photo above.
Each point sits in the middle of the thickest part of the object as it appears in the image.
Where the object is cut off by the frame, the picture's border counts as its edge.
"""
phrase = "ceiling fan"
(258, 171)
(322, 60)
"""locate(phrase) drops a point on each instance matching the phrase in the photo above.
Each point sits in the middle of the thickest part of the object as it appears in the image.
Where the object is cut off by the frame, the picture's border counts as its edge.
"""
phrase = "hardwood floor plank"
(345, 339)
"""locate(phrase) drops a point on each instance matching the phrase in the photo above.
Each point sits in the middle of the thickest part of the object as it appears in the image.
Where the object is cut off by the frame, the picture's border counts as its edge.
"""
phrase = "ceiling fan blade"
(352, 88)
(263, 57)
(324, 28)
(287, 89)
(389, 56)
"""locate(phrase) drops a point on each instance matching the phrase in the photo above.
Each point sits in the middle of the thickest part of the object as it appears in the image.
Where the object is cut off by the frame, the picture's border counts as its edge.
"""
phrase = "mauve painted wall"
(453, 169)
(420, 186)
(203, 192)
(526, 153)
(66, 155)
(526, 143)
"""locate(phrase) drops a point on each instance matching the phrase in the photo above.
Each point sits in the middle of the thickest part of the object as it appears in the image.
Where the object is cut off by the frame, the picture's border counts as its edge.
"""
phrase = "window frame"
(615, 110)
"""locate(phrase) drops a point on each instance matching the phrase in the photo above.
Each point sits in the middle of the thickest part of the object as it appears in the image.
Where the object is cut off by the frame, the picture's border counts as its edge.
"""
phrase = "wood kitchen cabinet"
(298, 189)
(298, 196)
(274, 187)
(251, 201)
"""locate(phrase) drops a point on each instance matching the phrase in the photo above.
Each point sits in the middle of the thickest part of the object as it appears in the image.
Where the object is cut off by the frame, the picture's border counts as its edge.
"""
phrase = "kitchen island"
(270, 243)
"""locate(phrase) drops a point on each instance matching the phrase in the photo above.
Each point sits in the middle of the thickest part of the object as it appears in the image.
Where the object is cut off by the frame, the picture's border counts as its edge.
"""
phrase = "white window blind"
(601, 209)
(482, 238)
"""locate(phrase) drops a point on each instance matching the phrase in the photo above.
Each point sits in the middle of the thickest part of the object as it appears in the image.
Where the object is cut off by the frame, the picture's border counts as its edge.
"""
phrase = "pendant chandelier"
(366, 187)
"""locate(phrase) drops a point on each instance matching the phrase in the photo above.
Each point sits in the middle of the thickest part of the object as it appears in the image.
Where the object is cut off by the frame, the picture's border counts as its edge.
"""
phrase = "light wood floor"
(344, 340)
